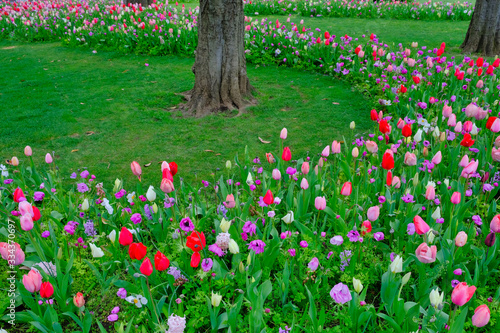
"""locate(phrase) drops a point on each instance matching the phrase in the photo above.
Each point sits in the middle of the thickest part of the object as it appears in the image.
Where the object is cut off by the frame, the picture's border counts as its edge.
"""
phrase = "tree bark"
(221, 81)
(145, 3)
(483, 35)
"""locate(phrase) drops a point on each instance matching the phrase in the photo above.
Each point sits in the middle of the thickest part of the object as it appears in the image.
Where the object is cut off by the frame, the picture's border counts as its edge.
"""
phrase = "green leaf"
(458, 325)
(390, 321)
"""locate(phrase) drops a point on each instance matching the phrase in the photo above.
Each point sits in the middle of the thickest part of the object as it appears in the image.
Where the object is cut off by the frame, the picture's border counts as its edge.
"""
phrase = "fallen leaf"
(82, 103)
(335, 103)
(8, 48)
(125, 71)
(148, 164)
(217, 154)
(45, 69)
(89, 132)
(263, 141)
(74, 150)
(208, 150)
(109, 99)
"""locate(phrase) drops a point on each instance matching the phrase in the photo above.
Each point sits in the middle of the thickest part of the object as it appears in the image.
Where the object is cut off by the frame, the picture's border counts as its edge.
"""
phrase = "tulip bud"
(430, 236)
(304, 184)
(151, 194)
(437, 213)
(406, 278)
(241, 267)
(216, 299)
(27, 151)
(415, 180)
(442, 136)
(85, 205)
(355, 152)
(112, 236)
(461, 239)
(48, 158)
(358, 287)
(249, 259)
(283, 134)
(155, 208)
(224, 225)
(276, 174)
(78, 300)
(397, 265)
(228, 164)
(59, 253)
(118, 184)
(14, 161)
(233, 247)
(425, 152)
(352, 125)
(490, 239)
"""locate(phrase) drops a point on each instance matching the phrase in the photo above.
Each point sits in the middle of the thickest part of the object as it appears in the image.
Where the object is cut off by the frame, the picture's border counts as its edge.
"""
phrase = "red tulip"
(387, 161)
(479, 62)
(196, 241)
(167, 174)
(490, 69)
(268, 198)
(161, 261)
(18, 194)
(46, 290)
(479, 72)
(403, 89)
(406, 131)
(389, 178)
(460, 76)
(146, 267)
(173, 168)
(125, 237)
(471, 63)
(374, 115)
(356, 50)
(37, 215)
(327, 35)
(416, 79)
(137, 251)
(78, 300)
(496, 63)
(384, 126)
(366, 227)
(195, 259)
(467, 141)
(372, 36)
(287, 154)
(346, 189)
(420, 226)
(136, 169)
(490, 121)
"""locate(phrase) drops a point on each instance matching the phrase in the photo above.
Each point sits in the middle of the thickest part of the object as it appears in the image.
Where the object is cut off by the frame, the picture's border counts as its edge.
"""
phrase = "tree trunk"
(483, 35)
(221, 81)
(145, 3)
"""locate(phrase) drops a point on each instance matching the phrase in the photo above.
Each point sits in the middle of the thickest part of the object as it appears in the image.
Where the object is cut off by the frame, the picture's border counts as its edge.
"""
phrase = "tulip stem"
(152, 301)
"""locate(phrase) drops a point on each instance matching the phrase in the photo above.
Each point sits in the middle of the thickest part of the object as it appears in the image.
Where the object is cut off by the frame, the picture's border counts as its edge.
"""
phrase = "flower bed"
(413, 10)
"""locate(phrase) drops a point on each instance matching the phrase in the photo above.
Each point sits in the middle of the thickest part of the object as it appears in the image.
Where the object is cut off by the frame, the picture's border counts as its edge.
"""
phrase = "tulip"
(436, 299)
(397, 265)
(430, 193)
(396, 182)
(358, 287)
(352, 125)
(137, 251)
(426, 254)
(406, 131)
(125, 237)
(495, 126)
(36, 214)
(276, 174)
(283, 134)
(78, 300)
(418, 135)
(366, 227)
(336, 147)
(326, 151)
(233, 247)
(46, 290)
(410, 159)
(371, 146)
(7, 253)
(161, 262)
(216, 299)
(456, 197)
(26, 208)
(304, 184)
(196, 241)
(346, 189)
(481, 316)
(97, 252)
(27, 151)
(287, 154)
(495, 154)
(268, 198)
(112, 236)
(85, 205)
(230, 203)
(469, 169)
(387, 161)
(373, 213)
(136, 169)
(288, 218)
(224, 225)
(305, 168)
(405, 278)
(452, 120)
(167, 186)
(458, 127)
(447, 111)
(420, 226)
(14, 161)
(19, 195)
(195, 259)
(462, 293)
(26, 222)
(490, 239)
(464, 161)
(461, 239)
(320, 203)
(437, 158)
(32, 281)
(48, 158)
(467, 127)
(151, 194)
(355, 152)
(495, 223)
(146, 267)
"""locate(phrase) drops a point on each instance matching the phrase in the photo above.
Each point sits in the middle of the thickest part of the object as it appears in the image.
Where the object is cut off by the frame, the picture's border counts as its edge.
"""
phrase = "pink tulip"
(495, 154)
(462, 293)
(283, 134)
(326, 151)
(497, 142)
(420, 226)
(335, 147)
(471, 110)
(32, 281)
(346, 189)
(411, 62)
(495, 127)
(230, 203)
(437, 158)
(461, 239)
(447, 111)
(6, 252)
(458, 127)
(479, 84)
(371, 146)
(305, 168)
(48, 158)
(373, 213)
(467, 126)
(426, 254)
(164, 165)
(456, 197)
(304, 184)
(166, 185)
(430, 193)
(27, 151)
(495, 223)
(481, 316)
(276, 174)
(452, 120)
(396, 182)
(400, 124)
(410, 159)
(26, 208)
(320, 203)
(355, 152)
(26, 222)
(481, 114)
(464, 161)
(136, 169)
(470, 169)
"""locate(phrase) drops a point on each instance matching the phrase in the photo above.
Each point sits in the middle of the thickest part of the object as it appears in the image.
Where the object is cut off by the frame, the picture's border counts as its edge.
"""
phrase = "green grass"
(52, 97)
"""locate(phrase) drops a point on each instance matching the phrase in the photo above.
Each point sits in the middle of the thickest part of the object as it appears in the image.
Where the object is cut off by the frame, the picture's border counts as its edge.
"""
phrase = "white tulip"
(288, 218)
(96, 251)
(397, 265)
(233, 247)
(112, 236)
(358, 287)
(85, 205)
(151, 194)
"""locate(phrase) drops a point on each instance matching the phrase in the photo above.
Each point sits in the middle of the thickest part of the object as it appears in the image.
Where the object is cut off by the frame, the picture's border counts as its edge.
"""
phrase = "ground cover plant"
(393, 229)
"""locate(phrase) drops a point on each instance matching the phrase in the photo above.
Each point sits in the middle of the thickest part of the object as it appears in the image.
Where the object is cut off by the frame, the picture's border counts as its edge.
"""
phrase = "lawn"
(104, 110)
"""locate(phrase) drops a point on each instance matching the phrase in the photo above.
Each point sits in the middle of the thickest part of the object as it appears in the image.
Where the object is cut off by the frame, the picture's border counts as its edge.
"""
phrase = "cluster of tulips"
(413, 10)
